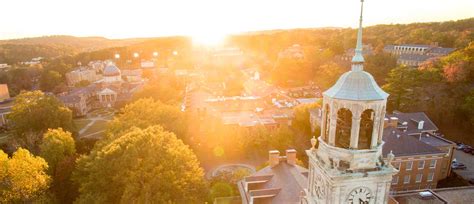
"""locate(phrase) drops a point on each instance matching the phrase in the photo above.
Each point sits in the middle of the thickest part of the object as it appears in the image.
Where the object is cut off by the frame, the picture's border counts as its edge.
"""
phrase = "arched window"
(343, 128)
(366, 129)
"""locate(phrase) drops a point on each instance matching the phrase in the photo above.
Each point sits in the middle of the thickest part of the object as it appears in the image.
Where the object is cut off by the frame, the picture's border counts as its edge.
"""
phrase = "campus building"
(414, 55)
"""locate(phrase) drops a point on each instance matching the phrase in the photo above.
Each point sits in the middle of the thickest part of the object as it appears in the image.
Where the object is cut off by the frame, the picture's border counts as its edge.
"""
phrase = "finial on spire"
(358, 59)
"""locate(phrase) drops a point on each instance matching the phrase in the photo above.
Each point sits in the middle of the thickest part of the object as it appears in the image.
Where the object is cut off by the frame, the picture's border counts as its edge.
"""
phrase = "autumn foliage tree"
(148, 165)
(23, 177)
(34, 113)
(56, 146)
(148, 112)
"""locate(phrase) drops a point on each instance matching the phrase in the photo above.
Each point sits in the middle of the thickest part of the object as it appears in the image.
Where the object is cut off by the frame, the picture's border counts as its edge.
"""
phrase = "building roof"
(358, 86)
(434, 140)
(414, 57)
(440, 195)
(409, 121)
(111, 70)
(457, 194)
(283, 183)
(402, 144)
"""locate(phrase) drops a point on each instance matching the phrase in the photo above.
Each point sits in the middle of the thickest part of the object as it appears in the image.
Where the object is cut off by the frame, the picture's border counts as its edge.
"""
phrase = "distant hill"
(79, 43)
(17, 50)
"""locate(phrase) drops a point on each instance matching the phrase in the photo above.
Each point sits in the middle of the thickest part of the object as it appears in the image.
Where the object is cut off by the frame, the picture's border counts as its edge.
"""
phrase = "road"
(468, 160)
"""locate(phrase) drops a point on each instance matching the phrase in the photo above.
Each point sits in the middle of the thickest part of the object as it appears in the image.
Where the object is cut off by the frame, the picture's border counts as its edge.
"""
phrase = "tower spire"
(358, 59)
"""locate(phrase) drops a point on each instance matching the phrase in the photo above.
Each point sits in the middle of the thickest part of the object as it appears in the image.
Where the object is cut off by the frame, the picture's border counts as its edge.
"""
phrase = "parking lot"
(468, 160)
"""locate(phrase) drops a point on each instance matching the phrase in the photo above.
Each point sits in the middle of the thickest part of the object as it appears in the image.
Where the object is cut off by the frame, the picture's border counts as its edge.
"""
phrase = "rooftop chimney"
(274, 157)
(393, 122)
(420, 125)
(291, 156)
(385, 122)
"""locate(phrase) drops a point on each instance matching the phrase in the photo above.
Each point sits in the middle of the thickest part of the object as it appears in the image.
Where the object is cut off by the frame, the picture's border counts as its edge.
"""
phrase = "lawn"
(99, 125)
(81, 123)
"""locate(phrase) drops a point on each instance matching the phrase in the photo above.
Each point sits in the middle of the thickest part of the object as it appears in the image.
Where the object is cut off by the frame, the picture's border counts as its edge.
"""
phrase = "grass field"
(99, 125)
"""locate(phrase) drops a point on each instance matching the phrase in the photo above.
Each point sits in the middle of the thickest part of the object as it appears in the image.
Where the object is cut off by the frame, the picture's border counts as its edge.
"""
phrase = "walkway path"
(93, 118)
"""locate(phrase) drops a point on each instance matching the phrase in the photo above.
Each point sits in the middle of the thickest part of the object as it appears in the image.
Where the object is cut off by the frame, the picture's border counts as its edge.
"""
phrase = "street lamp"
(136, 55)
(155, 54)
(175, 53)
(117, 56)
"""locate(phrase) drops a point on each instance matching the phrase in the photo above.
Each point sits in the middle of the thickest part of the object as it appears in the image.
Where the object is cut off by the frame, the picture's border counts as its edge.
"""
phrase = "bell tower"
(347, 165)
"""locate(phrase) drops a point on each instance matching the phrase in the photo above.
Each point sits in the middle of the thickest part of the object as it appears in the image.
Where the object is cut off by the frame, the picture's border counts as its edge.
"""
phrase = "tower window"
(366, 129)
(343, 128)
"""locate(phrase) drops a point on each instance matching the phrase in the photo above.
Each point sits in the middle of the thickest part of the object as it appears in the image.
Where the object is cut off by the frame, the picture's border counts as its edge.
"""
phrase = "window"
(430, 176)
(432, 164)
(395, 180)
(419, 177)
(396, 165)
(409, 165)
(406, 179)
(421, 164)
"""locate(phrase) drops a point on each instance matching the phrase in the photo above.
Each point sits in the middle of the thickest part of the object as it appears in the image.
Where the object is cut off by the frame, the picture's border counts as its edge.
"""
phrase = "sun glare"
(209, 39)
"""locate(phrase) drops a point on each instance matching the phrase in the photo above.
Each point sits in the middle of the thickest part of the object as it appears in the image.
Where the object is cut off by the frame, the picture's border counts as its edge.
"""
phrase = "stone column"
(355, 130)
(323, 124)
(375, 131)
(380, 130)
(332, 128)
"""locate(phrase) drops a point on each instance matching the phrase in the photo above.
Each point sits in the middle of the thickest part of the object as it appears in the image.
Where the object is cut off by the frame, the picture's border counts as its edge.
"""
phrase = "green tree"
(379, 65)
(301, 121)
(327, 74)
(148, 112)
(468, 107)
(23, 177)
(49, 80)
(35, 112)
(141, 166)
(400, 85)
(83, 83)
(159, 91)
(57, 145)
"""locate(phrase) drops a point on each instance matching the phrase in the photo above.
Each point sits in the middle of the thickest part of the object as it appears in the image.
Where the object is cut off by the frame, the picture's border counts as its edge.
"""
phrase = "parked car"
(460, 146)
(458, 166)
(471, 181)
(468, 150)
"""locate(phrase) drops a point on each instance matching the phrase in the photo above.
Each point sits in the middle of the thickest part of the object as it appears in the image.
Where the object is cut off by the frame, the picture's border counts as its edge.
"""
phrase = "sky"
(209, 18)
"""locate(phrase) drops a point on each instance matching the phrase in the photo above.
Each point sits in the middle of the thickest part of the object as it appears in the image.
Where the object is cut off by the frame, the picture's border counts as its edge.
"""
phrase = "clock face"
(360, 195)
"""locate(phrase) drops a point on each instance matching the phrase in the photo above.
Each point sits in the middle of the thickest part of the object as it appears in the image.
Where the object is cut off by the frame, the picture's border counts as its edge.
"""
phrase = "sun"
(209, 39)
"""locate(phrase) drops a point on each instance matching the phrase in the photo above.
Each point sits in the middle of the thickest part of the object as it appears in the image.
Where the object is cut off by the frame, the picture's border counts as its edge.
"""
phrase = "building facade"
(81, 74)
(414, 55)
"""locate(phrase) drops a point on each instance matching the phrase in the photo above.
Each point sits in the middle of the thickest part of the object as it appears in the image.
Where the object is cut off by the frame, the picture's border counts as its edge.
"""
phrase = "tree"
(140, 166)
(56, 146)
(400, 85)
(35, 112)
(159, 91)
(468, 107)
(301, 121)
(49, 80)
(148, 112)
(82, 83)
(379, 65)
(23, 177)
(327, 74)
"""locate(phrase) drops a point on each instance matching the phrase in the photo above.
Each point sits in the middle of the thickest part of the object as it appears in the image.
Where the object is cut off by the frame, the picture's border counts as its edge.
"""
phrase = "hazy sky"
(147, 18)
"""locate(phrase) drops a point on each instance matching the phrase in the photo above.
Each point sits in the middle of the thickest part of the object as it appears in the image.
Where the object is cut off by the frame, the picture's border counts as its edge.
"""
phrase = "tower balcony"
(352, 160)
